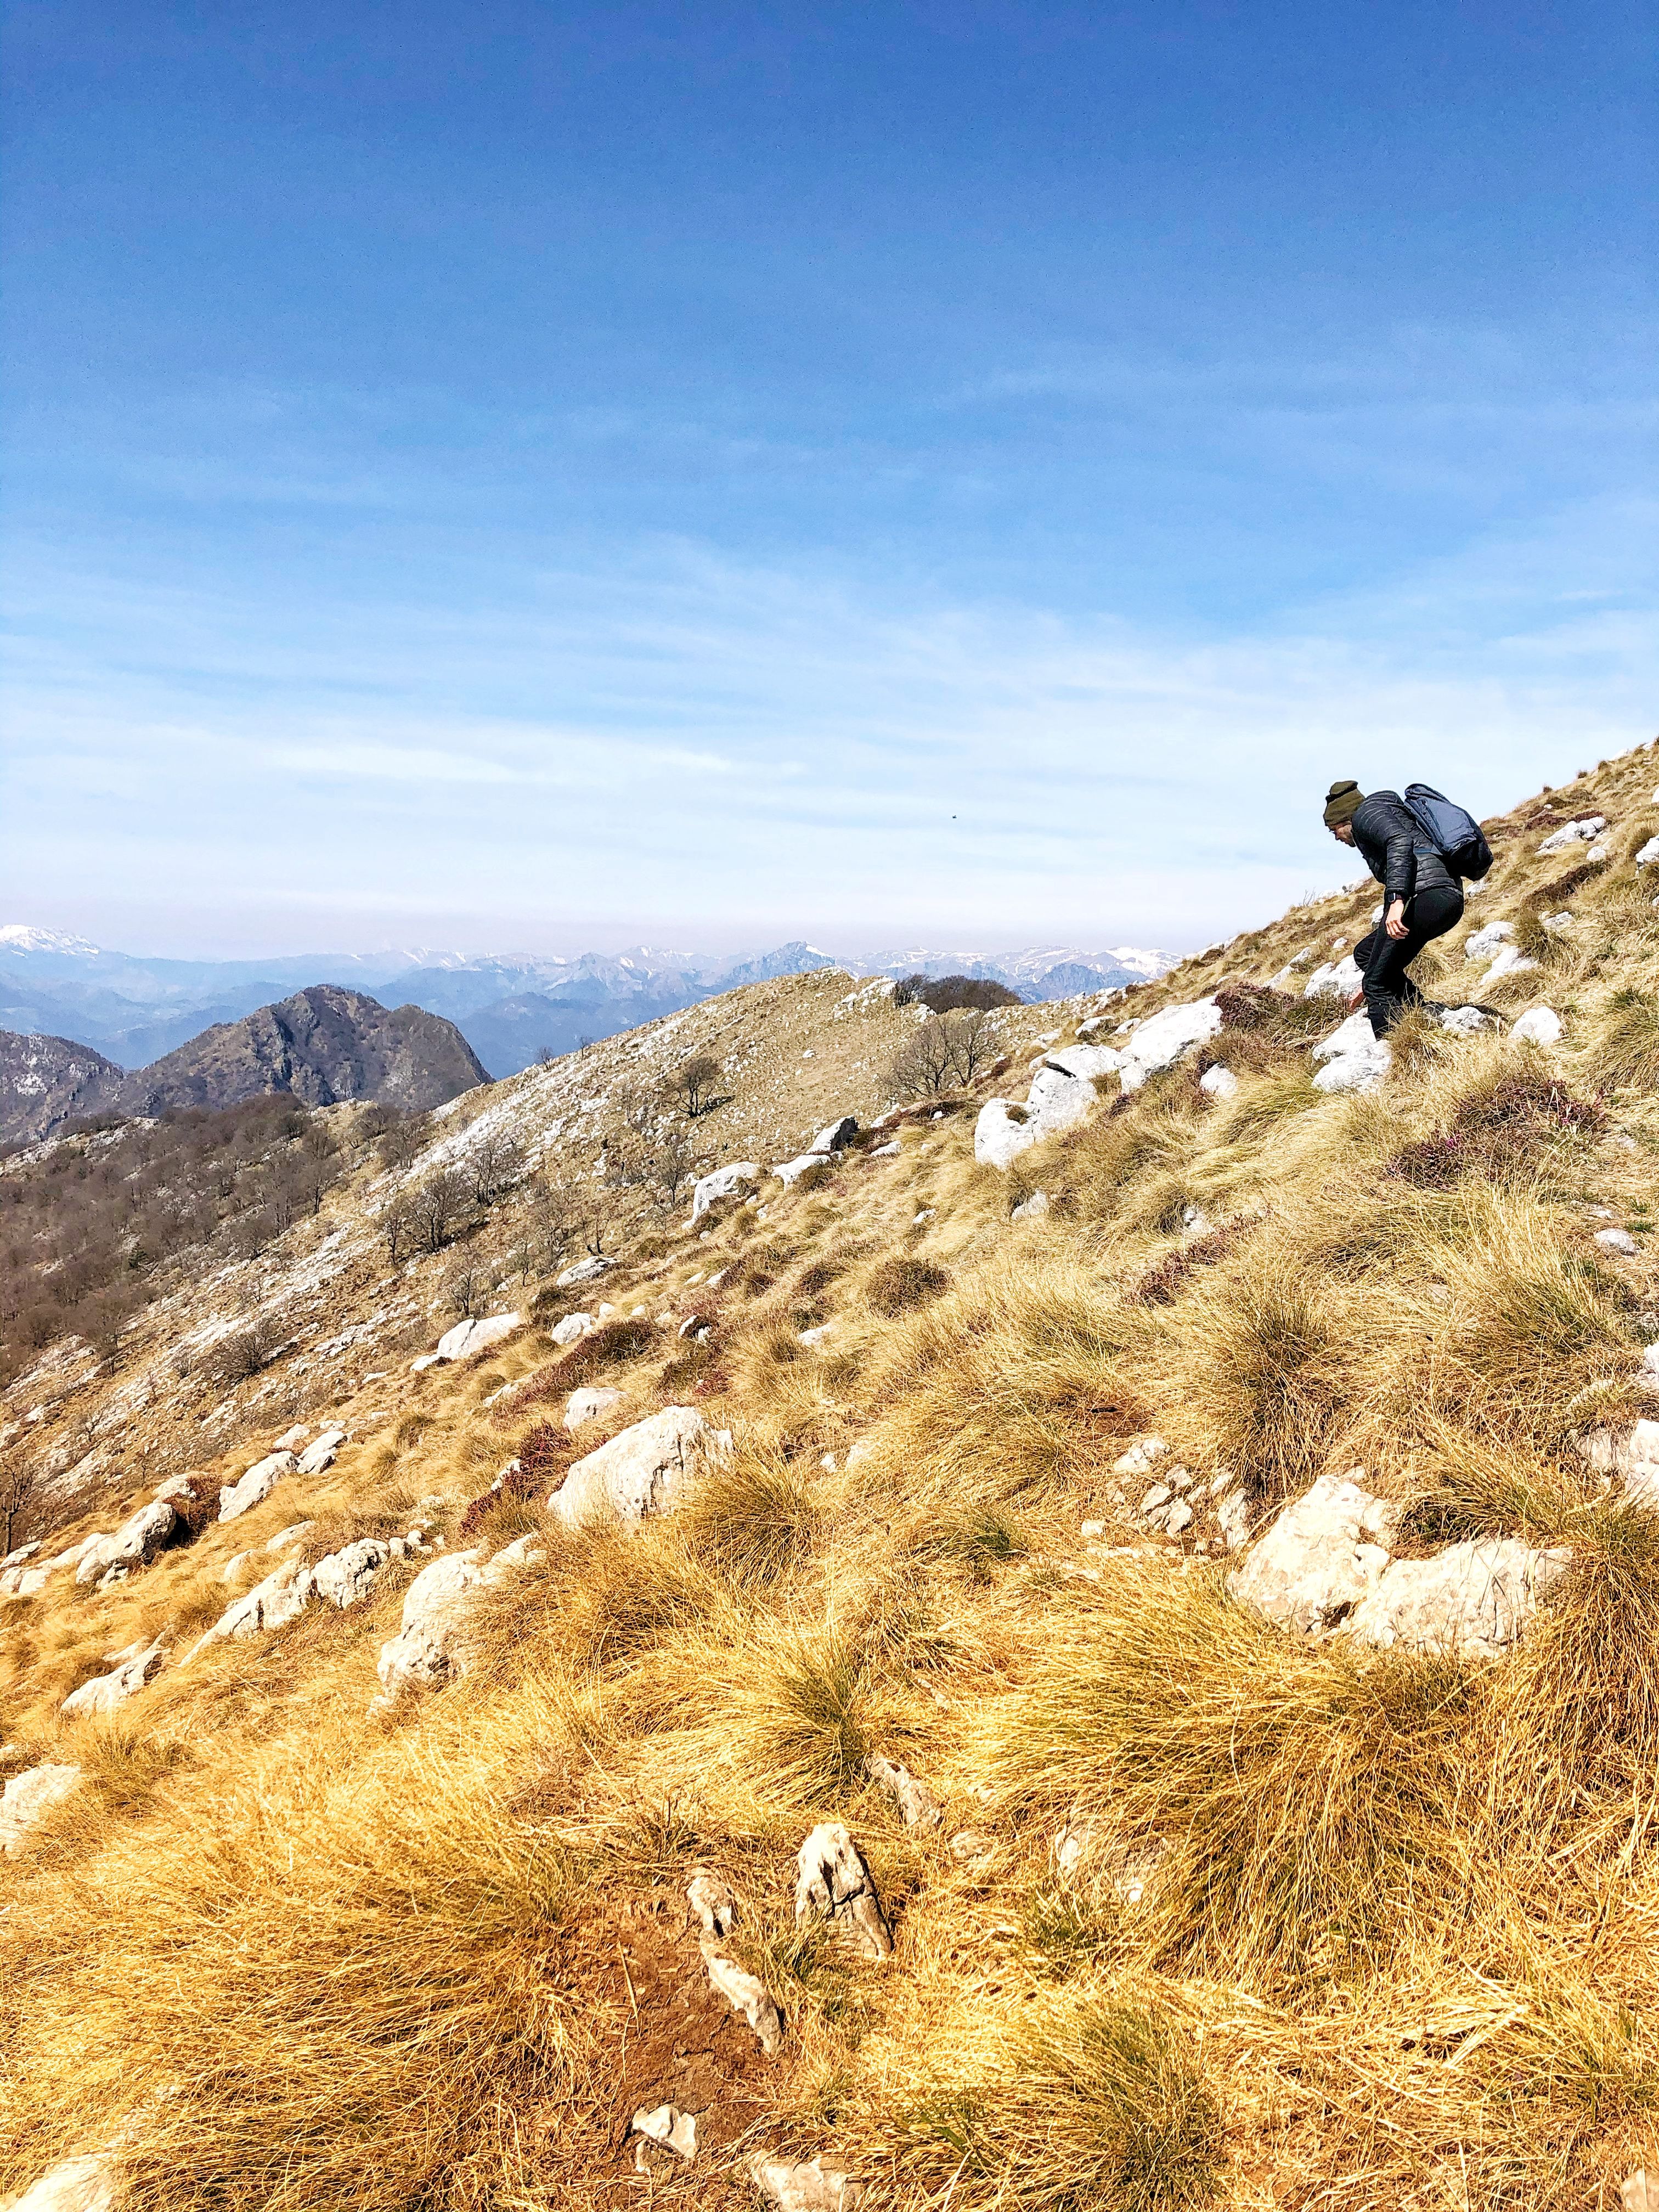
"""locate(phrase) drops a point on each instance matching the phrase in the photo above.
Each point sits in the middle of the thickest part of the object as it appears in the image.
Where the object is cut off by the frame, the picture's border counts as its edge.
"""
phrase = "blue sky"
(541, 476)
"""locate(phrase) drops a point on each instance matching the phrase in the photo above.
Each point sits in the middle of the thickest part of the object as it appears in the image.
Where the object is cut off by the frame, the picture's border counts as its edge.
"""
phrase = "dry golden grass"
(1396, 1934)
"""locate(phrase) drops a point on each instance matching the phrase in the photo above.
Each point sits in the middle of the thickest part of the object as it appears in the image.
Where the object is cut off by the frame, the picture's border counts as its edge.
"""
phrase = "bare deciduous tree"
(17, 1490)
(944, 1054)
(496, 1162)
(435, 1204)
(696, 1082)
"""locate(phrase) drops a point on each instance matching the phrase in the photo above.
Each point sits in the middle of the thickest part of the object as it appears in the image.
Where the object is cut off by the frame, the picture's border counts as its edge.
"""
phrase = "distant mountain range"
(512, 1009)
(324, 1045)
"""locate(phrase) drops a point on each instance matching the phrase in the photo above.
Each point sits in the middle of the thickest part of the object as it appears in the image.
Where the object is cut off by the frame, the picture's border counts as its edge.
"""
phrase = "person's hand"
(1395, 924)
(1356, 1000)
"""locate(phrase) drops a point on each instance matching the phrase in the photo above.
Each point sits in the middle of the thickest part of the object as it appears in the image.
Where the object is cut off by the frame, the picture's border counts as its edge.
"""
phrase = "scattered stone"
(253, 1489)
(1511, 961)
(28, 1798)
(1617, 1240)
(1583, 831)
(1218, 1082)
(724, 1183)
(1637, 2191)
(1160, 1041)
(973, 1849)
(1032, 1209)
(915, 1803)
(104, 1693)
(346, 1577)
(675, 2129)
(426, 1649)
(584, 1271)
(1472, 1600)
(418, 1366)
(572, 1328)
(745, 1994)
(1466, 1021)
(1141, 1457)
(319, 1454)
(791, 1171)
(291, 1535)
(1337, 978)
(1649, 854)
(650, 1467)
(814, 2187)
(1539, 1025)
(835, 1883)
(814, 1337)
(588, 1403)
(1234, 1517)
(110, 1559)
(292, 1439)
(712, 1900)
(1323, 1555)
(884, 1152)
(86, 2184)
(1482, 943)
(469, 1337)
(280, 1598)
(1356, 1058)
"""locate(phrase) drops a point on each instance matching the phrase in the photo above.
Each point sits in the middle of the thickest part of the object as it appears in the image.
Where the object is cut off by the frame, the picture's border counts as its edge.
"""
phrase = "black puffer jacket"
(1390, 839)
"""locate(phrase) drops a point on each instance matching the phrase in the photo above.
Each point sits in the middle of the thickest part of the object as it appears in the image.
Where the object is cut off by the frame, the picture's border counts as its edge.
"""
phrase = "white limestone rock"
(724, 1183)
(589, 1402)
(584, 1271)
(84, 2184)
(1089, 1061)
(572, 1328)
(345, 1577)
(812, 1337)
(291, 1439)
(885, 1152)
(1141, 1457)
(1466, 1021)
(291, 1535)
(1218, 1082)
(1355, 1058)
(252, 1488)
(1617, 1240)
(789, 1172)
(746, 1993)
(135, 1544)
(1539, 1025)
(1482, 943)
(1057, 1101)
(835, 1136)
(835, 1883)
(813, 2187)
(28, 1797)
(1337, 978)
(1583, 831)
(319, 1454)
(427, 1649)
(1160, 1041)
(1032, 1209)
(1324, 1554)
(712, 1901)
(1473, 1601)
(1511, 961)
(272, 1604)
(666, 2125)
(915, 1804)
(469, 1337)
(651, 1467)
(104, 1693)
(1649, 854)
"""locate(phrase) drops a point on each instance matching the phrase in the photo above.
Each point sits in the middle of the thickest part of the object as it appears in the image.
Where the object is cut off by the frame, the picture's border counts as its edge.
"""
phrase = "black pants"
(1382, 960)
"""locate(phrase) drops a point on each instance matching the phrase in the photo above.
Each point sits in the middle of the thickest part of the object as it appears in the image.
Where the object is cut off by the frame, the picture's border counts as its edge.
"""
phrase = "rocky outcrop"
(1324, 1565)
(815, 2186)
(724, 1183)
(252, 1488)
(835, 1884)
(325, 1045)
(651, 1467)
(109, 1559)
(715, 1906)
(912, 1801)
(28, 1797)
(104, 1693)
(1584, 831)
(1538, 1025)
(1159, 1041)
(588, 1403)
(86, 2184)
(48, 1081)
(469, 1337)
(430, 1645)
(1354, 1057)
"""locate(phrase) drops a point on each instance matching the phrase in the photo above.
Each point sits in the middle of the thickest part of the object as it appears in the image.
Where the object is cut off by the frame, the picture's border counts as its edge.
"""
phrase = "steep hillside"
(45, 1081)
(1092, 1644)
(324, 1046)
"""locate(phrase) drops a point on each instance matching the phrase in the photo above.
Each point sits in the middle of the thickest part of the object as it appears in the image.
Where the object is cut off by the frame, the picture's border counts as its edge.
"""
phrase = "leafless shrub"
(497, 1163)
(695, 1084)
(944, 1054)
(17, 1492)
(434, 1205)
(243, 1354)
(466, 1289)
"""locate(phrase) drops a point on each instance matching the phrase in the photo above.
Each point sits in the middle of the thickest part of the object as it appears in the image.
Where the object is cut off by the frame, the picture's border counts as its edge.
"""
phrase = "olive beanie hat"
(1342, 803)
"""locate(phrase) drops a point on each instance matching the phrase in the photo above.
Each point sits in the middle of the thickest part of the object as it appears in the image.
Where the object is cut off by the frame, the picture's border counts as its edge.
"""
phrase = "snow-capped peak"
(23, 937)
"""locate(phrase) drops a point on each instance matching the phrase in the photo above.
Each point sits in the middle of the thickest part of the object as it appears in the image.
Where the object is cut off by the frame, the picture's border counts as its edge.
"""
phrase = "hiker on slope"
(1422, 899)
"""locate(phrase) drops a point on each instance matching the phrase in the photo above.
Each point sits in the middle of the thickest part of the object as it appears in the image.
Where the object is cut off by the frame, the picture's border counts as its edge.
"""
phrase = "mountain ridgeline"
(512, 1009)
(324, 1046)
